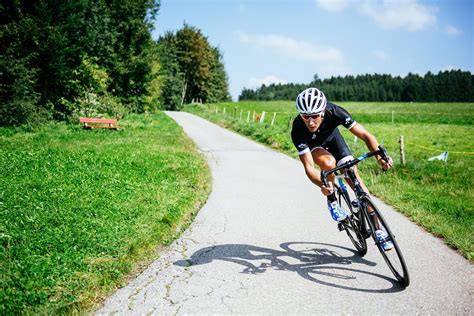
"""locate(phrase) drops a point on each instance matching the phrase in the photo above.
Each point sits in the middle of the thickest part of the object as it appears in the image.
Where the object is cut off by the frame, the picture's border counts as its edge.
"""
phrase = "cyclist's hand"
(386, 164)
(327, 190)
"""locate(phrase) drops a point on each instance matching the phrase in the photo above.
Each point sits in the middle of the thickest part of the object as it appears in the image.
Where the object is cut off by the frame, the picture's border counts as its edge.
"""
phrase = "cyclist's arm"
(371, 143)
(308, 163)
(369, 139)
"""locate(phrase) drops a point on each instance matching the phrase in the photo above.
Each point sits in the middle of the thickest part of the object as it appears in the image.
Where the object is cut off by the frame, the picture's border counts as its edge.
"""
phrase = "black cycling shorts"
(336, 146)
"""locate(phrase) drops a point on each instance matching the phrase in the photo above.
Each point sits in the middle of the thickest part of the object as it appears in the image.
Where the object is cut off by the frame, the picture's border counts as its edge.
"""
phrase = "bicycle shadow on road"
(317, 262)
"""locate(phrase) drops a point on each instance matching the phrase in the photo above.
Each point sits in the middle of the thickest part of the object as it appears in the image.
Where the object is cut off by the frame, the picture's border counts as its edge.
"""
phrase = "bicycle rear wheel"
(392, 257)
(352, 224)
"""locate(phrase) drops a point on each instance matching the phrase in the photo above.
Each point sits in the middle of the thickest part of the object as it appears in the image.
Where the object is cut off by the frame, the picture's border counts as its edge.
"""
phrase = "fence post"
(289, 122)
(262, 117)
(393, 116)
(217, 109)
(223, 111)
(402, 151)
(273, 119)
(248, 116)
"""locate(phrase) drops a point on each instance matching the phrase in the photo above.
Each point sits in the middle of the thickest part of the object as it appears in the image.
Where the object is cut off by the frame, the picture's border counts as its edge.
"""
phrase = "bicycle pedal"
(366, 234)
(340, 226)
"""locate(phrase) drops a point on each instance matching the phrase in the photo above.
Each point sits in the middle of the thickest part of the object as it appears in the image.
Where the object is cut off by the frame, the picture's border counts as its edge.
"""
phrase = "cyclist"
(318, 141)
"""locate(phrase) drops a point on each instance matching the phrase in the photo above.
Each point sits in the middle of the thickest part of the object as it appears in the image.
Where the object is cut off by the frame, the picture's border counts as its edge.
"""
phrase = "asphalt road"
(264, 243)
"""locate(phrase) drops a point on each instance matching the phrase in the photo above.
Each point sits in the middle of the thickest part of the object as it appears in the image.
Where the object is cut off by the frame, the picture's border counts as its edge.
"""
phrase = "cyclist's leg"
(332, 150)
(356, 172)
(338, 147)
(324, 159)
(370, 210)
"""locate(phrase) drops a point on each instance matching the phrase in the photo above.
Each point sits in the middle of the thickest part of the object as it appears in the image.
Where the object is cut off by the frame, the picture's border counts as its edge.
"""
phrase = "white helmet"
(311, 101)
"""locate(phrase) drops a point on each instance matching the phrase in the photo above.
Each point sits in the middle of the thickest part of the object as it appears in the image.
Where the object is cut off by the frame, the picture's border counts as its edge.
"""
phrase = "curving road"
(264, 243)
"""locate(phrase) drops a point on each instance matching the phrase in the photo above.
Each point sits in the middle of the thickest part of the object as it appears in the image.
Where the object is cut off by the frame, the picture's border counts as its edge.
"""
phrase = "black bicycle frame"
(381, 151)
(360, 193)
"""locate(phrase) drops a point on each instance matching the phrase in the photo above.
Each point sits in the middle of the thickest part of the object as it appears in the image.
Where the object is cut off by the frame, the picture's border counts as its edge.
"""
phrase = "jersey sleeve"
(298, 140)
(343, 117)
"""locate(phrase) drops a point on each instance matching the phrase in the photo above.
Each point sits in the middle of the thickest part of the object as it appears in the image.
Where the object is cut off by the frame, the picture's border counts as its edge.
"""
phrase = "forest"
(60, 60)
(63, 59)
(446, 86)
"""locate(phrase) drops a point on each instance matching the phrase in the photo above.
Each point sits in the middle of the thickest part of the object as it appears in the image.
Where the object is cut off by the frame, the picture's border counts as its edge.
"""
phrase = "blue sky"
(283, 41)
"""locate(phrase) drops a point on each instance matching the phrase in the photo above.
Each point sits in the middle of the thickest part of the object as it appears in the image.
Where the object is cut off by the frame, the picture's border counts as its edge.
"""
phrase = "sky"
(283, 41)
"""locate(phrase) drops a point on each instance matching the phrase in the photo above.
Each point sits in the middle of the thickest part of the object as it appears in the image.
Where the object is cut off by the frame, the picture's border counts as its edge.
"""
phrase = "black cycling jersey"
(327, 135)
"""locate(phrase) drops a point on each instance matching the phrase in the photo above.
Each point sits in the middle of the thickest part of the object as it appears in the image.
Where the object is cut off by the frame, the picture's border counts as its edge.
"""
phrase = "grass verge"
(82, 209)
(438, 196)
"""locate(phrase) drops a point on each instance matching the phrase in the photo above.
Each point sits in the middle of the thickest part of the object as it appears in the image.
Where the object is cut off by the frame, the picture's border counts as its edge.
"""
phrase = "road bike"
(364, 218)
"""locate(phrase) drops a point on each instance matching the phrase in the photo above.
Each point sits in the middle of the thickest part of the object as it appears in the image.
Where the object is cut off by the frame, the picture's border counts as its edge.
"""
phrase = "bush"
(90, 84)
(93, 105)
(19, 101)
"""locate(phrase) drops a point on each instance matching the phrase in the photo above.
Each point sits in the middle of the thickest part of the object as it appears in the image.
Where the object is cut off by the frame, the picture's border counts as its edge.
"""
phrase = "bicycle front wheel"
(352, 225)
(392, 257)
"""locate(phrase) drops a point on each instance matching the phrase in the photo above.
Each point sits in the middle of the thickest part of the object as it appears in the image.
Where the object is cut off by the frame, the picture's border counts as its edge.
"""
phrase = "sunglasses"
(308, 117)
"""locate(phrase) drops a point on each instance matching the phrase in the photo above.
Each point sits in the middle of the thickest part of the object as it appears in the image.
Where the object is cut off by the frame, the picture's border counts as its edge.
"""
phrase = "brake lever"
(323, 178)
(383, 153)
(384, 156)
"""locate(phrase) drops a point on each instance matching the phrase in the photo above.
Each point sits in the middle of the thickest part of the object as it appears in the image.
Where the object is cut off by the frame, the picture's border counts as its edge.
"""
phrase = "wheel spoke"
(351, 224)
(392, 257)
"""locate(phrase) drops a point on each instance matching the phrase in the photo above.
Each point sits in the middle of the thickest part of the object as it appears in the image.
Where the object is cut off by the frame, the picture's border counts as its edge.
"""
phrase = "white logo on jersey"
(302, 146)
(348, 119)
(314, 136)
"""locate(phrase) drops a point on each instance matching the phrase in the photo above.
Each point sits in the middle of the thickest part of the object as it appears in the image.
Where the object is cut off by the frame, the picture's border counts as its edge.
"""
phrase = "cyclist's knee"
(327, 162)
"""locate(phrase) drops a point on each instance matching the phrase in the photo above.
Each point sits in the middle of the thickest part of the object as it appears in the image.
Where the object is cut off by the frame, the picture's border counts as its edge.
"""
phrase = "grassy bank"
(438, 196)
(80, 210)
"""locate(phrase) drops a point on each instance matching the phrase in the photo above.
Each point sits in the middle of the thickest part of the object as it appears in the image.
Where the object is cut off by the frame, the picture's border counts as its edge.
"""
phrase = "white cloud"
(333, 5)
(400, 14)
(321, 59)
(380, 55)
(296, 49)
(267, 80)
(451, 30)
(449, 68)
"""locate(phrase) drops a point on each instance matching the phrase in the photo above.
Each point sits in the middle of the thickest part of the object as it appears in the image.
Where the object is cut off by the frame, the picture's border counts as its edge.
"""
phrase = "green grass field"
(438, 196)
(82, 209)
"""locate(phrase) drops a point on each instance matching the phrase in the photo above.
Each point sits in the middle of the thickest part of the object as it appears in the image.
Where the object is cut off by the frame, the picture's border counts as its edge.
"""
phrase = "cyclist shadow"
(314, 262)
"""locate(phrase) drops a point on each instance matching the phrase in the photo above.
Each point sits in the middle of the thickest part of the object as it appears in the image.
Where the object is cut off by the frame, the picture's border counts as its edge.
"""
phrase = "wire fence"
(284, 120)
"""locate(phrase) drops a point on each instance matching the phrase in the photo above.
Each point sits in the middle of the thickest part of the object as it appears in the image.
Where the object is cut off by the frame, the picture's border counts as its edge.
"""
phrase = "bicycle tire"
(393, 257)
(352, 224)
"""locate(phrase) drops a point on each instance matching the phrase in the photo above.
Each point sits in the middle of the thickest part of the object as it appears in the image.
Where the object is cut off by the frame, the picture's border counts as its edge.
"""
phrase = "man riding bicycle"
(318, 141)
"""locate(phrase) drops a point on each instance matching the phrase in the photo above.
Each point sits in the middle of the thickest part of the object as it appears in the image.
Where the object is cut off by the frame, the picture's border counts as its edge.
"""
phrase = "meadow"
(437, 195)
(83, 210)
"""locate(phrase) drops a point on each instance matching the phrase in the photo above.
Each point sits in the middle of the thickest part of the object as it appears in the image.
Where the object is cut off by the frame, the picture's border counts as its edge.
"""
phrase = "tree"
(218, 83)
(447, 86)
(173, 82)
(130, 62)
(18, 103)
(47, 48)
(193, 66)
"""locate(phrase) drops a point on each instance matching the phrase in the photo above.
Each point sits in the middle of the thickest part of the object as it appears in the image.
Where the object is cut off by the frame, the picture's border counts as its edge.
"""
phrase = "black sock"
(332, 198)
